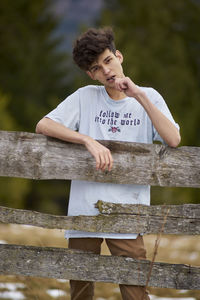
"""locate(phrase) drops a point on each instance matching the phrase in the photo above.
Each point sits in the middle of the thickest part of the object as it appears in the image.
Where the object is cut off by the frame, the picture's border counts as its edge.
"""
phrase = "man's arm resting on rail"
(101, 154)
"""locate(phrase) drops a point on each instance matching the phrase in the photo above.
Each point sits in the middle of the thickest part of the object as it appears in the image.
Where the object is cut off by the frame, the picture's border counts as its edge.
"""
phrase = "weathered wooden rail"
(34, 156)
(183, 219)
(71, 264)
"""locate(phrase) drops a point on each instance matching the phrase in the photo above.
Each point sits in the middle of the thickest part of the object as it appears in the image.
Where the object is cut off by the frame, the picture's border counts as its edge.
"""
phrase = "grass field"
(173, 249)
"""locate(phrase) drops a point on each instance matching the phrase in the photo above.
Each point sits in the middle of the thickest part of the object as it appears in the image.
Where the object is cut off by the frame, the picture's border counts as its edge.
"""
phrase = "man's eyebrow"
(108, 57)
(93, 67)
(96, 65)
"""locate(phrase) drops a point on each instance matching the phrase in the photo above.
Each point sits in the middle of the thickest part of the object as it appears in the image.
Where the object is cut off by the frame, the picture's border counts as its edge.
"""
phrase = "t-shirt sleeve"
(162, 106)
(67, 112)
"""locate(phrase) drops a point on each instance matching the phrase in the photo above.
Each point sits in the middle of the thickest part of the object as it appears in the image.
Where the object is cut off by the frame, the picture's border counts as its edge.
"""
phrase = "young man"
(115, 110)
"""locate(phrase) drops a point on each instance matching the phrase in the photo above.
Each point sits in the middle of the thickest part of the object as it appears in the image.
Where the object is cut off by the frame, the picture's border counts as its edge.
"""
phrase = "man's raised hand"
(127, 86)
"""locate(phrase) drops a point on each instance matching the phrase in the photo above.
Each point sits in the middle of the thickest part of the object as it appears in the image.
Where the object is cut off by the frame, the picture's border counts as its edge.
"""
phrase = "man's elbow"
(39, 126)
(175, 141)
(37, 129)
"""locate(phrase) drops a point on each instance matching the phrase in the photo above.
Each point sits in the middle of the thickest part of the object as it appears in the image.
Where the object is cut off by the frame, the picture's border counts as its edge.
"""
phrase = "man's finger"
(107, 161)
(98, 162)
(102, 162)
(110, 162)
(123, 85)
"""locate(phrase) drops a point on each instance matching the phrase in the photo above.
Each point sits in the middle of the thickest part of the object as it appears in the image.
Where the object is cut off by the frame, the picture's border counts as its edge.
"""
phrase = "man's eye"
(94, 69)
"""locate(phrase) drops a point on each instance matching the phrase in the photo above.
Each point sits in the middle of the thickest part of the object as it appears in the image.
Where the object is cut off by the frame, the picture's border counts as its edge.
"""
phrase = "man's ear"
(119, 55)
(90, 75)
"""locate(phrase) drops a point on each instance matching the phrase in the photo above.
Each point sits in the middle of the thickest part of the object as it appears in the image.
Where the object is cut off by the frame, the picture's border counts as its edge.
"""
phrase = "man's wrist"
(140, 96)
(85, 139)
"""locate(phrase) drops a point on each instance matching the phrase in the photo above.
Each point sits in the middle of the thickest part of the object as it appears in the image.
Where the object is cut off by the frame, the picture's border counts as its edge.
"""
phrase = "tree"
(34, 73)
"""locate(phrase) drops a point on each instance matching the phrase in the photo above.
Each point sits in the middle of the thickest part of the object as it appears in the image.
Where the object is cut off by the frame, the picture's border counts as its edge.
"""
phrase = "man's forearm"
(51, 128)
(162, 124)
(101, 154)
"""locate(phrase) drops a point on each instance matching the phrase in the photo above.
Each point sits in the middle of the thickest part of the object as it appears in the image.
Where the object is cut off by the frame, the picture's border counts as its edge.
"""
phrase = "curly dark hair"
(91, 44)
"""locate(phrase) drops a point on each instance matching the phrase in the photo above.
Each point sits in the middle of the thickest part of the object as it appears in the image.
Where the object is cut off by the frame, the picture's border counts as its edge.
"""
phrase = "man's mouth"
(111, 78)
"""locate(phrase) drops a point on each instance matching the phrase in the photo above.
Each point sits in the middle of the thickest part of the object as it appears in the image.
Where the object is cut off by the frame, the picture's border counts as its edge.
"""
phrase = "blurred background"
(161, 44)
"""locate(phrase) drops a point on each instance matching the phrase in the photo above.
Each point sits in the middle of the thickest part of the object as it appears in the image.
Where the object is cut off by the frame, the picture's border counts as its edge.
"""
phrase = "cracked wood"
(35, 156)
(191, 211)
(147, 222)
(64, 263)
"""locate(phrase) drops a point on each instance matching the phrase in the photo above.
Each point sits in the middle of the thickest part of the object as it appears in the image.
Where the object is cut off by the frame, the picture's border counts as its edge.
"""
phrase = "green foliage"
(33, 80)
(6, 121)
(33, 71)
(49, 196)
(160, 43)
(161, 46)
(12, 190)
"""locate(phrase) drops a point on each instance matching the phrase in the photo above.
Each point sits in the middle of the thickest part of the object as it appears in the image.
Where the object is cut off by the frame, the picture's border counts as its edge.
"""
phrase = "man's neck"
(115, 94)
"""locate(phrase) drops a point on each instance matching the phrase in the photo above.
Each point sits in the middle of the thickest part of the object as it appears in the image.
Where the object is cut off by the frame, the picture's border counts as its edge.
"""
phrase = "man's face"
(107, 68)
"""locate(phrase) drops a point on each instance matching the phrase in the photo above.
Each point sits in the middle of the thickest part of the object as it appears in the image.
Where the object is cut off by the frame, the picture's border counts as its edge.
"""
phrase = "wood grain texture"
(35, 156)
(146, 222)
(191, 211)
(71, 264)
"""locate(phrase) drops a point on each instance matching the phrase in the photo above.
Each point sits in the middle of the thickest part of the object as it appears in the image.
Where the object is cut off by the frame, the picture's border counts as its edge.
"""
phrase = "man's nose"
(106, 70)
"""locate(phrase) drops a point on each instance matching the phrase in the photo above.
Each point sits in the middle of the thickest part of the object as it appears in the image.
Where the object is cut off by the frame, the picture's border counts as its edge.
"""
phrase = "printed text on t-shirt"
(116, 119)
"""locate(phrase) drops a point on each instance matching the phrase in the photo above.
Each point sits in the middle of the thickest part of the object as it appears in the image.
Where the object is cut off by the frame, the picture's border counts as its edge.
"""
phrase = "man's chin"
(110, 85)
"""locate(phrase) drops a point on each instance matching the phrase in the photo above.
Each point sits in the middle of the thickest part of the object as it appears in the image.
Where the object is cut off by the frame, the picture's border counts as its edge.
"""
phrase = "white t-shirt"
(91, 111)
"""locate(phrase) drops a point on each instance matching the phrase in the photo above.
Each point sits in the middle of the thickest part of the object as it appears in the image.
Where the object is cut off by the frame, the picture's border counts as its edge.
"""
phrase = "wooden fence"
(35, 156)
